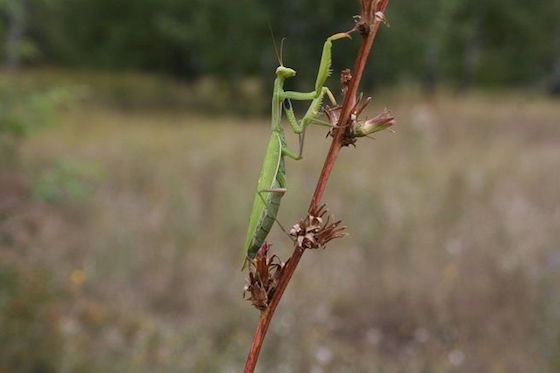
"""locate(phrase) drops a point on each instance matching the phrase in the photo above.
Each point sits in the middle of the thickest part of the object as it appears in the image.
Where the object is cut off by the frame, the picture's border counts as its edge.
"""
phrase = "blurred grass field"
(122, 231)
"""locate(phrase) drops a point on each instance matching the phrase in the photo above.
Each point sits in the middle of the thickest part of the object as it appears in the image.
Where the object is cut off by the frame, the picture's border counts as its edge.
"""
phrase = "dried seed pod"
(356, 127)
(381, 121)
(264, 274)
(313, 232)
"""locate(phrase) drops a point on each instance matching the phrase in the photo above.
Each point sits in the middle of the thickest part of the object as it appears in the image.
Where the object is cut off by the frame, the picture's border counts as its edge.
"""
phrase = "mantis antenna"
(282, 51)
(278, 54)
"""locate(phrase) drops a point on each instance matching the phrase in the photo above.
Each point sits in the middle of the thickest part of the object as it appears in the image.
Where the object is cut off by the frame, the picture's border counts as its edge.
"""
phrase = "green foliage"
(23, 110)
(497, 42)
(66, 181)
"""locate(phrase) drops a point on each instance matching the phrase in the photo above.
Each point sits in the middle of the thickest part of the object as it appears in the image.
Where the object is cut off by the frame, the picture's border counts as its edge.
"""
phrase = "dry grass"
(451, 264)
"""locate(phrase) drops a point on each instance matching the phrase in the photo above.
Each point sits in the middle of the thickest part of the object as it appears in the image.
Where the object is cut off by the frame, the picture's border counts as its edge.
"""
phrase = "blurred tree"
(471, 50)
(554, 81)
(437, 37)
(496, 42)
(16, 47)
(15, 10)
(517, 39)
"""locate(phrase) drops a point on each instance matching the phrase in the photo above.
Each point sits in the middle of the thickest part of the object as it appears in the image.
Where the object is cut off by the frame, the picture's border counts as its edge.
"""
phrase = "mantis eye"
(287, 104)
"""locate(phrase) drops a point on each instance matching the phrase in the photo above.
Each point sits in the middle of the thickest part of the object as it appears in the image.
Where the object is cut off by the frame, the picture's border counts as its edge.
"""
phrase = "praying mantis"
(271, 185)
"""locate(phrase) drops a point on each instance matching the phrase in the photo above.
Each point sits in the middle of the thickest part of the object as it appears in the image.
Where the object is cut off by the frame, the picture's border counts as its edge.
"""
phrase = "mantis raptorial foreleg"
(271, 185)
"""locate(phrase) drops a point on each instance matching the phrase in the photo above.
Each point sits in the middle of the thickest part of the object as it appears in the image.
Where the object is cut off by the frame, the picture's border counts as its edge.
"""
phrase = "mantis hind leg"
(280, 191)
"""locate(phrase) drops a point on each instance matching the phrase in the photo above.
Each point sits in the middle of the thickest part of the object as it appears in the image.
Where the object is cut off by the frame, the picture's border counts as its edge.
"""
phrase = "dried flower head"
(345, 79)
(356, 127)
(313, 232)
(264, 273)
(371, 13)
(381, 121)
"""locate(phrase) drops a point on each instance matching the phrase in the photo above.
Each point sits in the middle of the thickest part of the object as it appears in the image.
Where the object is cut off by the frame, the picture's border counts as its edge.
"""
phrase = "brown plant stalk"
(371, 17)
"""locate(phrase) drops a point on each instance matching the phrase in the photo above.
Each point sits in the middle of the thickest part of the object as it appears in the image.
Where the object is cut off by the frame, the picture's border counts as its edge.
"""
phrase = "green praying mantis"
(271, 185)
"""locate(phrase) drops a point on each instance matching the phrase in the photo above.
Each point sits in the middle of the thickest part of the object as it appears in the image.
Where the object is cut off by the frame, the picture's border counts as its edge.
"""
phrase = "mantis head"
(285, 72)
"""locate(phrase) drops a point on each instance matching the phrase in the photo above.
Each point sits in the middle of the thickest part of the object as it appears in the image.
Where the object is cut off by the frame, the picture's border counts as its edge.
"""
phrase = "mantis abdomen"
(270, 189)
(271, 202)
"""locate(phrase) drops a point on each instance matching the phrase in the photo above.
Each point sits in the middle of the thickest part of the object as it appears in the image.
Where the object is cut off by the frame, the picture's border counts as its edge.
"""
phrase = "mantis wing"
(265, 208)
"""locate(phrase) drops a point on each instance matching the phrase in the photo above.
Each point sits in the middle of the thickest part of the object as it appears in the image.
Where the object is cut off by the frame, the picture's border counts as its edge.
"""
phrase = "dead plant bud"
(313, 232)
(333, 115)
(357, 127)
(369, 15)
(264, 273)
(380, 17)
(345, 79)
(378, 123)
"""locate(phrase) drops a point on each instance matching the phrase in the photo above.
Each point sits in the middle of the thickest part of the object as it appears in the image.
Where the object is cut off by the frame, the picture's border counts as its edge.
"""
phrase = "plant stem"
(367, 16)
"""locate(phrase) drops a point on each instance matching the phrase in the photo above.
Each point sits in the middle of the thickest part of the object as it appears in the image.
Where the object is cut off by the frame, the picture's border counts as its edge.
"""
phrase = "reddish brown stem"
(266, 316)
(368, 16)
(346, 110)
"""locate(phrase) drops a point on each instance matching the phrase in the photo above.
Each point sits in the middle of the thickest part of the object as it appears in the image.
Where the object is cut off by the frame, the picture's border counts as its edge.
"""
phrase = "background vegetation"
(126, 183)
(491, 43)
